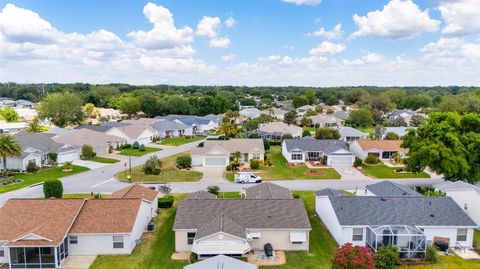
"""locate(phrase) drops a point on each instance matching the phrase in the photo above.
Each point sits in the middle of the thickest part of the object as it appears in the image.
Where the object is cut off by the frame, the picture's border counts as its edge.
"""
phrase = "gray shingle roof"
(350, 132)
(390, 188)
(329, 192)
(456, 185)
(221, 262)
(248, 213)
(201, 195)
(165, 125)
(188, 120)
(40, 141)
(221, 223)
(395, 210)
(268, 190)
(343, 115)
(326, 146)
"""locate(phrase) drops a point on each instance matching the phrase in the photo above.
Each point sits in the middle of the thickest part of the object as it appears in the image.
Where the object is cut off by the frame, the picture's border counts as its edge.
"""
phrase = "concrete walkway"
(350, 173)
(89, 164)
(78, 262)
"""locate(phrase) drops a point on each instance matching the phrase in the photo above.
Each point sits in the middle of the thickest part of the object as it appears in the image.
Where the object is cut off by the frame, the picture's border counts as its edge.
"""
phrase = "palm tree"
(229, 130)
(34, 126)
(8, 147)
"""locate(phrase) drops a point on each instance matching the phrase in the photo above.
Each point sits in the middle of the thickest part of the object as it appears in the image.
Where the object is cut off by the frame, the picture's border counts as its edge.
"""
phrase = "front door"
(245, 157)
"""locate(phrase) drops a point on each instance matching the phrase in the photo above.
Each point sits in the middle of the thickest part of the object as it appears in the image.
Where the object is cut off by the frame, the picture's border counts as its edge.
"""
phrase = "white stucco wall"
(68, 156)
(325, 211)
(471, 198)
(357, 150)
(448, 232)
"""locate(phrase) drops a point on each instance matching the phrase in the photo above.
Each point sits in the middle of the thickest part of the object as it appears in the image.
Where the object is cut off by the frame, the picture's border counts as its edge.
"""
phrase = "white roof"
(221, 262)
(456, 185)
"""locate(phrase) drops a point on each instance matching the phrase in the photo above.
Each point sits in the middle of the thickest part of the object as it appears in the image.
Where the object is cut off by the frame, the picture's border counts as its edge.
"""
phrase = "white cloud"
(451, 51)
(228, 57)
(303, 2)
(368, 58)
(269, 58)
(230, 22)
(461, 17)
(288, 47)
(399, 19)
(219, 42)
(209, 27)
(164, 34)
(335, 33)
(327, 48)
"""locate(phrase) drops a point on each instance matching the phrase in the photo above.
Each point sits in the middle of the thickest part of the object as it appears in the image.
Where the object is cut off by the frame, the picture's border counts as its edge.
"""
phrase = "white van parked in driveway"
(247, 177)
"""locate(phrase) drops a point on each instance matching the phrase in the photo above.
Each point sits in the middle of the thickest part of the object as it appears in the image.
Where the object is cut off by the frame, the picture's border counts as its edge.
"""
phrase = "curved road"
(101, 180)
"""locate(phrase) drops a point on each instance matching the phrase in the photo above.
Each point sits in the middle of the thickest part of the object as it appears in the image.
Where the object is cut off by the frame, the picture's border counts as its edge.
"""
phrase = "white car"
(247, 177)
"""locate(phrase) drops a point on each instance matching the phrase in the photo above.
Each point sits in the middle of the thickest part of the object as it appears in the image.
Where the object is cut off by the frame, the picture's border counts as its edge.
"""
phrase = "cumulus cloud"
(269, 58)
(461, 17)
(451, 50)
(230, 22)
(335, 33)
(399, 19)
(327, 48)
(368, 58)
(219, 42)
(228, 57)
(303, 2)
(209, 27)
(164, 34)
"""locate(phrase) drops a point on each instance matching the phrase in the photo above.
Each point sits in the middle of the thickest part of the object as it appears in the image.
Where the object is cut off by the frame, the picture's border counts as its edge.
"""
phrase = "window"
(256, 156)
(462, 235)
(2, 252)
(255, 234)
(357, 235)
(73, 239)
(297, 243)
(118, 241)
(190, 238)
(297, 157)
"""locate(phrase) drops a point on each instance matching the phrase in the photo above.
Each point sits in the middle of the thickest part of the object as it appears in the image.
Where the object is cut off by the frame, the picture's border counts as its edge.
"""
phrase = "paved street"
(101, 180)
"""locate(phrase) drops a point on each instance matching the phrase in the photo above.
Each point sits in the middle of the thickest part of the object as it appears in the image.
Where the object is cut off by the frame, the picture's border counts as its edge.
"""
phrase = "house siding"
(280, 239)
(471, 198)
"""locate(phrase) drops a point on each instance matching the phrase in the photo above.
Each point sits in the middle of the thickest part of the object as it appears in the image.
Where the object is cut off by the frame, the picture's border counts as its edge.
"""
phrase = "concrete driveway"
(78, 262)
(350, 173)
(213, 174)
(89, 164)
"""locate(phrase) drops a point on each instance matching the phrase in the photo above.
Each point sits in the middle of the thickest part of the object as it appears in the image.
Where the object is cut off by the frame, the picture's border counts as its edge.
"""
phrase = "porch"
(410, 241)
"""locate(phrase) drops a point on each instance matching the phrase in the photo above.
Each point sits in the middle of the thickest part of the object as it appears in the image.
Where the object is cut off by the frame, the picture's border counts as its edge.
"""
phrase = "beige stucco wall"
(181, 241)
(280, 240)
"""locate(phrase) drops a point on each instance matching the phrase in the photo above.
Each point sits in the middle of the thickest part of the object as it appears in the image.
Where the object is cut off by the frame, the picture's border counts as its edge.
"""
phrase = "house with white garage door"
(330, 152)
(219, 152)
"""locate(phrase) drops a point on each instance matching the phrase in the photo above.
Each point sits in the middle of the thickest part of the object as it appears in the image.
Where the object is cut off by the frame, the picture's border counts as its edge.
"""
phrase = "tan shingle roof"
(84, 136)
(268, 190)
(279, 127)
(231, 146)
(322, 119)
(390, 145)
(136, 191)
(47, 218)
(134, 131)
(107, 216)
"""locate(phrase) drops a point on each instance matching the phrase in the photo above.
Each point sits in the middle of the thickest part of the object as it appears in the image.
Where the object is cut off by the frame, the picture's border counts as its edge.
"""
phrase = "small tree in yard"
(141, 148)
(135, 145)
(353, 257)
(387, 257)
(431, 254)
(184, 161)
(266, 144)
(32, 167)
(391, 136)
(358, 162)
(152, 166)
(52, 156)
(254, 164)
(87, 152)
(164, 189)
(53, 188)
(213, 189)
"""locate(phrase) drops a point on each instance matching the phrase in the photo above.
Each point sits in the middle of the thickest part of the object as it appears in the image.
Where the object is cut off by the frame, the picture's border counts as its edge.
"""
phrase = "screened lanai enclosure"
(410, 241)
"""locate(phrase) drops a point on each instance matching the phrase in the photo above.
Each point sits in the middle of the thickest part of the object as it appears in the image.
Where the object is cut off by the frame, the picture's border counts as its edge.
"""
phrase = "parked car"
(201, 134)
(247, 177)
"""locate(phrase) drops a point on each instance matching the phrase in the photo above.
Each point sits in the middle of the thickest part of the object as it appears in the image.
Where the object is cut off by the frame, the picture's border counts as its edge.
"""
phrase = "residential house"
(350, 134)
(326, 120)
(341, 115)
(408, 222)
(233, 227)
(148, 195)
(221, 262)
(167, 128)
(219, 152)
(20, 103)
(12, 127)
(26, 114)
(276, 130)
(400, 131)
(331, 152)
(276, 113)
(303, 109)
(36, 148)
(200, 124)
(267, 190)
(100, 142)
(250, 113)
(42, 233)
(143, 134)
(404, 114)
(388, 188)
(383, 149)
(466, 195)
(110, 114)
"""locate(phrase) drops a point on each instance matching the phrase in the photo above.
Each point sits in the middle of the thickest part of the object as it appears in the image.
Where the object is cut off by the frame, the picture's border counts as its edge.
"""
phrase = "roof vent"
(432, 215)
(383, 199)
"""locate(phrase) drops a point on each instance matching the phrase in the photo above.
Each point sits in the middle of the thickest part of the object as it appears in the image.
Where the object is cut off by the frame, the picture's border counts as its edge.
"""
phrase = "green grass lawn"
(82, 195)
(366, 130)
(310, 129)
(103, 160)
(230, 195)
(136, 152)
(450, 262)
(169, 172)
(476, 239)
(383, 171)
(153, 252)
(230, 176)
(41, 176)
(281, 171)
(177, 141)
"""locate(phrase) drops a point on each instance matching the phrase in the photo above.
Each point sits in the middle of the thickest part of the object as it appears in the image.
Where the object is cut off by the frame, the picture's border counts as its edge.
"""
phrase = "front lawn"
(103, 160)
(40, 176)
(136, 152)
(383, 171)
(177, 141)
(281, 171)
(154, 251)
(311, 130)
(169, 172)
(476, 239)
(230, 195)
(448, 262)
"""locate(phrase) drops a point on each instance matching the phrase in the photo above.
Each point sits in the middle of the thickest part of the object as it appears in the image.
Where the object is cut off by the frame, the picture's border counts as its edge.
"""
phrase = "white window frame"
(462, 237)
(2, 252)
(255, 234)
(296, 156)
(73, 239)
(116, 241)
(357, 234)
(256, 156)
(190, 238)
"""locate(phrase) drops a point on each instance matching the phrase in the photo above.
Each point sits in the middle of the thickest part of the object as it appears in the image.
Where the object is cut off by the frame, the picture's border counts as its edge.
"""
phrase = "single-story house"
(303, 109)
(466, 195)
(405, 114)
(12, 127)
(167, 128)
(221, 262)
(138, 191)
(407, 222)
(349, 134)
(267, 190)
(233, 227)
(143, 134)
(388, 188)
(277, 113)
(219, 152)
(198, 123)
(36, 148)
(42, 233)
(26, 114)
(302, 150)
(383, 149)
(251, 113)
(400, 131)
(100, 142)
(341, 115)
(325, 120)
(276, 130)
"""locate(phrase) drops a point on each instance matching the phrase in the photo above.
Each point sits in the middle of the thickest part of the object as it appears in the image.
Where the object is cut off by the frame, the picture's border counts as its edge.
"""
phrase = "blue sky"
(398, 42)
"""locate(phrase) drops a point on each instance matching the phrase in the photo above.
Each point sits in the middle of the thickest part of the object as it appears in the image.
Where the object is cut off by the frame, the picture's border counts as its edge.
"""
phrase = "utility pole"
(130, 163)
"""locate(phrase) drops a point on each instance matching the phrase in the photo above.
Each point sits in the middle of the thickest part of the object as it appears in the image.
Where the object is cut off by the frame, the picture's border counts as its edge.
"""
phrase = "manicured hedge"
(165, 202)
(53, 188)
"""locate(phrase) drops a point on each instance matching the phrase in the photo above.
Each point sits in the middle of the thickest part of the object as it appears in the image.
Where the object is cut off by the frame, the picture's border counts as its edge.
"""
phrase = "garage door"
(341, 160)
(215, 161)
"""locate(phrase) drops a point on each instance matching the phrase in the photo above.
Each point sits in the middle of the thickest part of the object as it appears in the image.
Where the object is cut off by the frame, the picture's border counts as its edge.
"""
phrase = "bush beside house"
(53, 188)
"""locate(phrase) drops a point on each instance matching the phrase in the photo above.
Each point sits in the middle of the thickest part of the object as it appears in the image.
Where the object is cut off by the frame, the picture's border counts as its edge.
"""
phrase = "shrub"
(87, 152)
(135, 145)
(164, 189)
(254, 164)
(254, 135)
(165, 202)
(228, 168)
(358, 162)
(287, 136)
(431, 254)
(222, 137)
(125, 146)
(53, 188)
(306, 133)
(296, 195)
(266, 144)
(52, 156)
(200, 145)
(353, 257)
(372, 160)
(97, 196)
(67, 166)
(152, 166)
(387, 257)
(32, 167)
(142, 147)
(184, 161)
(213, 189)
(391, 136)
(193, 257)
